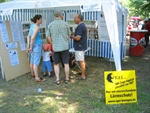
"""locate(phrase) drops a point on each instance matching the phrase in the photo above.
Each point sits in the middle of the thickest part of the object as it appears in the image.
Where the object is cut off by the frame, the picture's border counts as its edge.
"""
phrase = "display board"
(12, 50)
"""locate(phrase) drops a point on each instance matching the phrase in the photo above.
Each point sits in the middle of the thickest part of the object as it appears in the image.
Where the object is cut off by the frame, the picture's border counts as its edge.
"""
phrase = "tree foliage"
(138, 7)
(4, 1)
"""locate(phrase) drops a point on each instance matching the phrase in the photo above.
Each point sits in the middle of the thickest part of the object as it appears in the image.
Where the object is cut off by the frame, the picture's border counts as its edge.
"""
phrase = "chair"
(72, 51)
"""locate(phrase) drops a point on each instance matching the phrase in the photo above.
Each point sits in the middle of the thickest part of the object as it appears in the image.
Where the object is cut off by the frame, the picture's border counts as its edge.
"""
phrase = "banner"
(109, 10)
(120, 87)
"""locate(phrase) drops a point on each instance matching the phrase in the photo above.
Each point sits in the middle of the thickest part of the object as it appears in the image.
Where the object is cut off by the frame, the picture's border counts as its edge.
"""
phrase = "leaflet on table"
(11, 45)
(4, 32)
(13, 55)
(14, 30)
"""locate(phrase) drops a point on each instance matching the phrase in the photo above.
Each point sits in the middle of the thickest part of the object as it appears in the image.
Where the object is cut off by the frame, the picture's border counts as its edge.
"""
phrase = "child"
(46, 60)
(51, 49)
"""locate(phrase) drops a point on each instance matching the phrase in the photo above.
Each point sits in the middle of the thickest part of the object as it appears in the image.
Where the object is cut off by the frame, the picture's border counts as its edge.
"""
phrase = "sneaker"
(45, 75)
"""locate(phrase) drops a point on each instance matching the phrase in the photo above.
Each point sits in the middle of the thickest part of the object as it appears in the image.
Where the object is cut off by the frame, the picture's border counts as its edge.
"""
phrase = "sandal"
(57, 82)
(40, 80)
(66, 81)
(80, 78)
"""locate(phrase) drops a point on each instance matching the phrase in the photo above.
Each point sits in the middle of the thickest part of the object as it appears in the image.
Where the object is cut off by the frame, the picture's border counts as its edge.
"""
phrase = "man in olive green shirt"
(59, 35)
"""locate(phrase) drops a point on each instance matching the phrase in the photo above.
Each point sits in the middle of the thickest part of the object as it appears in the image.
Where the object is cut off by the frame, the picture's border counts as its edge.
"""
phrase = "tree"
(4, 1)
(137, 7)
(140, 8)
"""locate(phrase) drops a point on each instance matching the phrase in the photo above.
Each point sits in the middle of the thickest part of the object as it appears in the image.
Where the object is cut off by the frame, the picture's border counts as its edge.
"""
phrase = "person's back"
(46, 65)
(46, 55)
(59, 31)
(147, 27)
(147, 34)
(59, 35)
(46, 52)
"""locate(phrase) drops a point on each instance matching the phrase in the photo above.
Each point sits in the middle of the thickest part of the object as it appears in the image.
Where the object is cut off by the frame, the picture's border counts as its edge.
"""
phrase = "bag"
(72, 61)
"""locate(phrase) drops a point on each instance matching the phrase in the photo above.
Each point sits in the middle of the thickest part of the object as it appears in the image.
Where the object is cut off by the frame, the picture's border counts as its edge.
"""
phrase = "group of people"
(57, 46)
(142, 26)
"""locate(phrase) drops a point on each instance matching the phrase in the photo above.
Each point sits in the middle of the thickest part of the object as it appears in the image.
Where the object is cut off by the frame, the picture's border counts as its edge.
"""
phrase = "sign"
(133, 42)
(14, 61)
(92, 7)
(13, 55)
(4, 32)
(6, 12)
(11, 45)
(142, 42)
(120, 87)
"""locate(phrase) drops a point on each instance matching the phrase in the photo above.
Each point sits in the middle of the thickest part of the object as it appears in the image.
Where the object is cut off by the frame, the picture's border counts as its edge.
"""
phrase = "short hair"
(80, 17)
(57, 12)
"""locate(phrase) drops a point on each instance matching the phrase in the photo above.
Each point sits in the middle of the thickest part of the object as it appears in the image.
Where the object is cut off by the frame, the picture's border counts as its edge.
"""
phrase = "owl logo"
(109, 78)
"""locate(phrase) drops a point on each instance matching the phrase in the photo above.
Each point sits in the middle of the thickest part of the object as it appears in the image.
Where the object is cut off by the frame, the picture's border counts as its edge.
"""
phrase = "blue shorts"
(47, 65)
(36, 54)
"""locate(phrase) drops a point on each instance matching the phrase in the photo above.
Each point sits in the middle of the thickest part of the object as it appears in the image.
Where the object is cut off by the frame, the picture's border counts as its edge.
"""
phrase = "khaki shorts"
(79, 55)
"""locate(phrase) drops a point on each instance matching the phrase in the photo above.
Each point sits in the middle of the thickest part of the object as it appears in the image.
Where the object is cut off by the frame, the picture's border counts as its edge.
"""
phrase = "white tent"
(30, 4)
(111, 9)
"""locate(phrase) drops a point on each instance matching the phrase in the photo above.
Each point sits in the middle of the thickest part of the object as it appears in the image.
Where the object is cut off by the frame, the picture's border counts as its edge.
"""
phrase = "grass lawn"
(20, 95)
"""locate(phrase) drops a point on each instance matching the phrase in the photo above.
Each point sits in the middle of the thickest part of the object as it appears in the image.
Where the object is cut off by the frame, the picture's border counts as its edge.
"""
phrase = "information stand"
(14, 59)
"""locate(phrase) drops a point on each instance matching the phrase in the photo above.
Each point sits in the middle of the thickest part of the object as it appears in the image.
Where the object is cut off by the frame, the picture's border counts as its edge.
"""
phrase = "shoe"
(80, 78)
(66, 81)
(57, 82)
(40, 80)
(49, 76)
(45, 75)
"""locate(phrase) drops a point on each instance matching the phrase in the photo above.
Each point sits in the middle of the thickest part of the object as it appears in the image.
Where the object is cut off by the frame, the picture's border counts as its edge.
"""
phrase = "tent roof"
(36, 4)
(7, 8)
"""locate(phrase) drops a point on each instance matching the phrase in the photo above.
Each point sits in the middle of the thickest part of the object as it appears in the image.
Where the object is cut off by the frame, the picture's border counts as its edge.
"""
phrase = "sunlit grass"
(1, 94)
(20, 95)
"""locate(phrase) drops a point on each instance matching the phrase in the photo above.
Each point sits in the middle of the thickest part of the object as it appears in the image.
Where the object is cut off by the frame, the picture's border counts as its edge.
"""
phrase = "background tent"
(113, 19)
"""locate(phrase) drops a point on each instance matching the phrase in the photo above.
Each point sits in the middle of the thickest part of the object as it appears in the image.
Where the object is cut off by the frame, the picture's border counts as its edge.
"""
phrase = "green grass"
(20, 95)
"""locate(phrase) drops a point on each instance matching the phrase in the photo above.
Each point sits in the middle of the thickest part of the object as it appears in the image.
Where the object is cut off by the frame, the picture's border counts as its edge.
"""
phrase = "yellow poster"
(120, 87)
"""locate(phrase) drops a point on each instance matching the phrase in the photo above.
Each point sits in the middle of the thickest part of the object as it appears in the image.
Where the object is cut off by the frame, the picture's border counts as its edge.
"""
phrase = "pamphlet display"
(14, 58)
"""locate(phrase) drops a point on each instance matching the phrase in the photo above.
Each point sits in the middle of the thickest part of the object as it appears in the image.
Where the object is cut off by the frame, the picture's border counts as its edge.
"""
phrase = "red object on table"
(137, 42)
